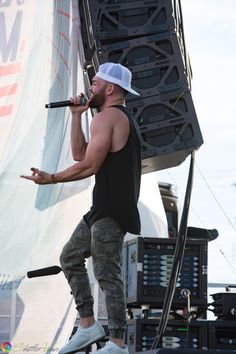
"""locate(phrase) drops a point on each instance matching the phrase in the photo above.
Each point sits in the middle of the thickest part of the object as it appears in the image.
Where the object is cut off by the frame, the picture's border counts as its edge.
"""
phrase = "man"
(113, 156)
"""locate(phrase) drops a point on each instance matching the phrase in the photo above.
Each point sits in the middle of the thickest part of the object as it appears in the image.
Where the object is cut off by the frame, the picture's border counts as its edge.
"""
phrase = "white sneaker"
(112, 348)
(83, 337)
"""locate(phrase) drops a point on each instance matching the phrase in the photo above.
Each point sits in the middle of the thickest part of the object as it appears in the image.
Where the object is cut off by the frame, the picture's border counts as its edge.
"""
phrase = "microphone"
(43, 272)
(59, 104)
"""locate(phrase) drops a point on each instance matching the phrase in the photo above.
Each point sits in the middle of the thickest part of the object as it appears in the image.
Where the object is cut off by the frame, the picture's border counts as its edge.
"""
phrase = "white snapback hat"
(116, 74)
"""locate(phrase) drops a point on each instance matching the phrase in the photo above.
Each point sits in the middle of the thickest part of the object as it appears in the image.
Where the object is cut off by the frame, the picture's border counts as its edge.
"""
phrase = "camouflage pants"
(104, 242)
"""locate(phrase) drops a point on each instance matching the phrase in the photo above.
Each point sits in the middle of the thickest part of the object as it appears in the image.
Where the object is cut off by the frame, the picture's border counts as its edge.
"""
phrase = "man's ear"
(110, 89)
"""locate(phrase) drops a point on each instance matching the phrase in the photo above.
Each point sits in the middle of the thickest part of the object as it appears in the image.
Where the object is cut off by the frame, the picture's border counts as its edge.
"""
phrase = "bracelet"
(53, 179)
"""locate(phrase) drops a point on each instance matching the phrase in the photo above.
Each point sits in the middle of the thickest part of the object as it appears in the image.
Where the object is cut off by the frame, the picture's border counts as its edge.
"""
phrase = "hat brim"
(112, 80)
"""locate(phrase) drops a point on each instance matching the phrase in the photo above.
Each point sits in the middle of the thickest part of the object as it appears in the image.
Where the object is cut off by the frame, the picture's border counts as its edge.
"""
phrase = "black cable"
(180, 30)
(177, 259)
(176, 266)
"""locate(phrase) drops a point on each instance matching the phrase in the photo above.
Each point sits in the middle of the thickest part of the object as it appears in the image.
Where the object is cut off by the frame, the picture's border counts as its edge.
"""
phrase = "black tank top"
(117, 183)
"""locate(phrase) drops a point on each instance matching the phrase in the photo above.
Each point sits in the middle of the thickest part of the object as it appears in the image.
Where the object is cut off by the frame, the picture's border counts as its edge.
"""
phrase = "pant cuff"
(85, 312)
(116, 333)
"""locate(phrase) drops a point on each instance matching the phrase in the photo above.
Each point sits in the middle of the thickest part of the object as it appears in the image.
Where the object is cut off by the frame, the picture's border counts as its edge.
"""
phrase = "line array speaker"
(117, 19)
(145, 37)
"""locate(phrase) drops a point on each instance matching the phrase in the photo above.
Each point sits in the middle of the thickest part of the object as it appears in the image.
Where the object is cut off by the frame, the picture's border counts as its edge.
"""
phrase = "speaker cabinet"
(155, 61)
(115, 19)
(168, 128)
(145, 37)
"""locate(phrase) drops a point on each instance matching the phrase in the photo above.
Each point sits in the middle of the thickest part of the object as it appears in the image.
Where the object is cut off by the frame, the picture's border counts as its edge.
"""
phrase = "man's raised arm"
(78, 141)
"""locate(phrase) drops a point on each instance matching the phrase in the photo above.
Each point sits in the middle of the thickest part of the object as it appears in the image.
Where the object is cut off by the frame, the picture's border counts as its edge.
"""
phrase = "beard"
(97, 100)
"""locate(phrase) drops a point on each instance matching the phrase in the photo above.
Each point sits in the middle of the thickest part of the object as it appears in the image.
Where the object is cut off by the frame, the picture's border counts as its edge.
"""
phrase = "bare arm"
(78, 141)
(77, 138)
(96, 152)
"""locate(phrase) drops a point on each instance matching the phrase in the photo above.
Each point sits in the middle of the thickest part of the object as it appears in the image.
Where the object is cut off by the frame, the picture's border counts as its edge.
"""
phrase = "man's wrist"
(53, 178)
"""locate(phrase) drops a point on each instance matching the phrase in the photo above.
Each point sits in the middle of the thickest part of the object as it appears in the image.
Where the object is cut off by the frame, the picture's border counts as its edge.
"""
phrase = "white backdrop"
(39, 58)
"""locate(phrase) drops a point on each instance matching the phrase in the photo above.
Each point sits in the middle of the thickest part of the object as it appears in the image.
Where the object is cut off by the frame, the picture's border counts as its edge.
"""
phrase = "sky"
(210, 36)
